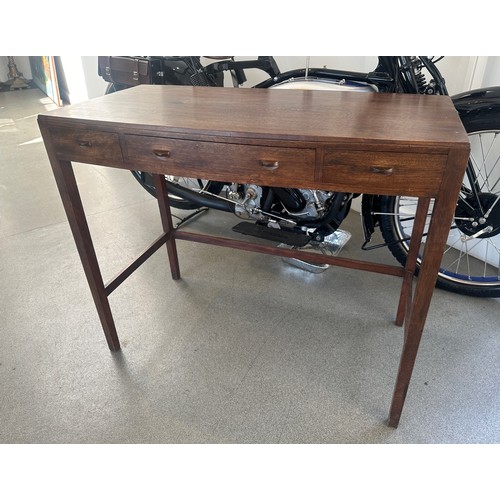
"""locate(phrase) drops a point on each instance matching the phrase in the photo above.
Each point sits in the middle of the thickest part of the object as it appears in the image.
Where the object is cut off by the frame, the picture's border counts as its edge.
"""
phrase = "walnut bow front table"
(393, 144)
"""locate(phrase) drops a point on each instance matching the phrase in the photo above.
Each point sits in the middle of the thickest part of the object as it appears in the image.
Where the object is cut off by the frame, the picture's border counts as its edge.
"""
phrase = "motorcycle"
(301, 217)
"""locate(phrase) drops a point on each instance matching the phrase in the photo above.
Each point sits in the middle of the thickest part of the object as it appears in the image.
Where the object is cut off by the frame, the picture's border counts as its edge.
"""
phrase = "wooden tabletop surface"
(303, 115)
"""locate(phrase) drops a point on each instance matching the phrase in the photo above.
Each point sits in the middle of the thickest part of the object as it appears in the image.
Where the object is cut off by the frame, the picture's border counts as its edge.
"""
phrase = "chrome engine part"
(247, 204)
(315, 203)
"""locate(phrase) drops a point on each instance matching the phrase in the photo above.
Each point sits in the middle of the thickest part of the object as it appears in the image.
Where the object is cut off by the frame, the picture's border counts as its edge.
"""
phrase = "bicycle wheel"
(471, 262)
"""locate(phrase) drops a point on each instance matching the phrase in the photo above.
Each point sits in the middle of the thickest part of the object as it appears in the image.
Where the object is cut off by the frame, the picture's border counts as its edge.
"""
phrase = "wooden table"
(391, 144)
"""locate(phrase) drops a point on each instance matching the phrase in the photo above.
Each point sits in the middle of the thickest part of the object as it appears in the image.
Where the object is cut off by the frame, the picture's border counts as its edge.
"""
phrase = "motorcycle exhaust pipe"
(204, 200)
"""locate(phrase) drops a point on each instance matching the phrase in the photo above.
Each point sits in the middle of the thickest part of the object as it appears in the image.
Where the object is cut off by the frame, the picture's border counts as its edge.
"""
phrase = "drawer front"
(87, 146)
(272, 166)
(392, 173)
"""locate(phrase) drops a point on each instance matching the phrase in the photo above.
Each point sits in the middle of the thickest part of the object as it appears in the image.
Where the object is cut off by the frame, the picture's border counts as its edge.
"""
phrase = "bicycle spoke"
(482, 169)
(485, 260)
(471, 258)
(463, 260)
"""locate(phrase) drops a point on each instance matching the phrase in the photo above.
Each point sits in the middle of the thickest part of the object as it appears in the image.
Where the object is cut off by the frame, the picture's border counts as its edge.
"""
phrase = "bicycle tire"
(470, 266)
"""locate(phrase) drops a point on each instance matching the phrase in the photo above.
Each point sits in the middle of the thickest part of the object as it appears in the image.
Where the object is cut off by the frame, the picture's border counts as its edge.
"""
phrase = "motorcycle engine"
(304, 204)
(314, 203)
(248, 200)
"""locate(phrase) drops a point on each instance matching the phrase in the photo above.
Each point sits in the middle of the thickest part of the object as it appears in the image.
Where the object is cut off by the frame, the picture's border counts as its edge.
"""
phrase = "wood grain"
(357, 142)
(296, 115)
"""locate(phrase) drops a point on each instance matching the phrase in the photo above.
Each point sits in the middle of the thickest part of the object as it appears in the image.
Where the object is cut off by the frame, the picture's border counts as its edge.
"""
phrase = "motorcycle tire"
(146, 180)
(471, 262)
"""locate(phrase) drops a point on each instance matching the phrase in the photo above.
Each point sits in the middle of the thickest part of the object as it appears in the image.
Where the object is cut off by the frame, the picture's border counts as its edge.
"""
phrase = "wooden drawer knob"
(161, 153)
(270, 164)
(382, 170)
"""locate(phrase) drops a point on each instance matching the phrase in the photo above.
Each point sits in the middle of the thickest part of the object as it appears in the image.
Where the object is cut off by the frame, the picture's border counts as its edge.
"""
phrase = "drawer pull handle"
(84, 144)
(269, 164)
(161, 153)
(382, 170)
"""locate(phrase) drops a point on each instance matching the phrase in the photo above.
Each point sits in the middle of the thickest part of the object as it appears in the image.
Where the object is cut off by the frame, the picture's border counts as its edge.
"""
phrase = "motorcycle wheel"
(471, 262)
(146, 180)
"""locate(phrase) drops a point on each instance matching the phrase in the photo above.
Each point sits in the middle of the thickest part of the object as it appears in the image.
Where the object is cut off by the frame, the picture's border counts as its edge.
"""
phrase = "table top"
(296, 115)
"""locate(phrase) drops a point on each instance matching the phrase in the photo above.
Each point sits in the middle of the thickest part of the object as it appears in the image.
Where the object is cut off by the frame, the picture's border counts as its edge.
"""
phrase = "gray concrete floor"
(243, 349)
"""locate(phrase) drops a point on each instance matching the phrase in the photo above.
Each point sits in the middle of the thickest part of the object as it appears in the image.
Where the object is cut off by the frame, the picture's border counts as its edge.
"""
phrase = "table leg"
(411, 260)
(418, 309)
(168, 227)
(68, 189)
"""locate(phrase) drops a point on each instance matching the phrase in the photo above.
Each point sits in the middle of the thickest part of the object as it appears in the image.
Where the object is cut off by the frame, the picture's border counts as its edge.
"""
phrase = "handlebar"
(264, 63)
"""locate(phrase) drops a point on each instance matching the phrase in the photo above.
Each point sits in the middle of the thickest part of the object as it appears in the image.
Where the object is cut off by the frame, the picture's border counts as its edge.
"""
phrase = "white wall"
(492, 72)
(95, 84)
(82, 79)
(458, 72)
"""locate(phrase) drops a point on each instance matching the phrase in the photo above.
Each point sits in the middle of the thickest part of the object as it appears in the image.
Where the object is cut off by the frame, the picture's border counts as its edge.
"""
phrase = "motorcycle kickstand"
(184, 220)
